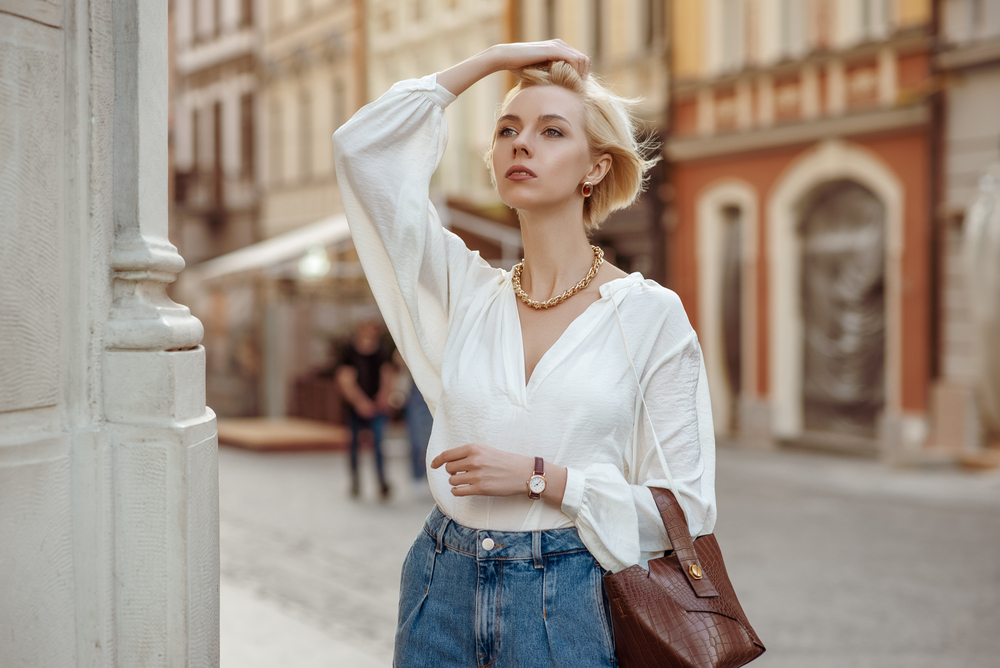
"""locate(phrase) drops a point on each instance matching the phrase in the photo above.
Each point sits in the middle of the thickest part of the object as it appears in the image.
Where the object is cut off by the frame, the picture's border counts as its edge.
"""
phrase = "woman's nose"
(520, 144)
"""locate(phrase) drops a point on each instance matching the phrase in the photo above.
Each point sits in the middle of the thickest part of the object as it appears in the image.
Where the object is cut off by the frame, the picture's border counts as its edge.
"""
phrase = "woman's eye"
(506, 132)
(553, 132)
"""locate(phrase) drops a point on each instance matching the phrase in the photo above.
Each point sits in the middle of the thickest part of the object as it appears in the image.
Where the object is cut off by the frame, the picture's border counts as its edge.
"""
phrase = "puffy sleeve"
(420, 273)
(612, 506)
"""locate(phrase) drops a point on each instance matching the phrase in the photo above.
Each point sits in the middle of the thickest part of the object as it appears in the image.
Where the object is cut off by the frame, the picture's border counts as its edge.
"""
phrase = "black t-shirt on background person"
(369, 368)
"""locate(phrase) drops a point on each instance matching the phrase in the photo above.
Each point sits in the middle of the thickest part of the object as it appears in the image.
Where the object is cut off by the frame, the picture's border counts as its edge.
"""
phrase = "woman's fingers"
(461, 452)
(526, 54)
(461, 478)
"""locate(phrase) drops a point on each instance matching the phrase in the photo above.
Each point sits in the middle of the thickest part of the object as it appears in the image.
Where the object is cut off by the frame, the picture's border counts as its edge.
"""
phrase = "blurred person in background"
(419, 421)
(365, 377)
(542, 449)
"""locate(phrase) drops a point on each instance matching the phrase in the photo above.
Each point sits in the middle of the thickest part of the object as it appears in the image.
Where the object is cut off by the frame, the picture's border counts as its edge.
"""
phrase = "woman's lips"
(519, 173)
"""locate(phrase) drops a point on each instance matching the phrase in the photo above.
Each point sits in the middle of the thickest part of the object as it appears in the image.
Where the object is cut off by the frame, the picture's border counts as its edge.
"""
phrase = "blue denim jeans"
(376, 425)
(501, 599)
(418, 425)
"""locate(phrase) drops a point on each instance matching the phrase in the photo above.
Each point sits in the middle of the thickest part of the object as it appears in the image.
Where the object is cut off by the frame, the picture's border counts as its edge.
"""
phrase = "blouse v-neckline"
(520, 388)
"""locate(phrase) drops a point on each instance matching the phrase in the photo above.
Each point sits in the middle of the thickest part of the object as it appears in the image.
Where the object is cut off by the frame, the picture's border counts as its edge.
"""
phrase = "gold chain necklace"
(558, 299)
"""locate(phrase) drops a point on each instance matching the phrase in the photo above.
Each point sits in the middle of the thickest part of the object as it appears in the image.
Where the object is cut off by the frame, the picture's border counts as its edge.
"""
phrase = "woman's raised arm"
(513, 57)
(421, 274)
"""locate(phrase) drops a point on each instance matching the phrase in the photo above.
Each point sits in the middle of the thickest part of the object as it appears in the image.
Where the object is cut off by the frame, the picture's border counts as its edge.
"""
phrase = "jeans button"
(488, 544)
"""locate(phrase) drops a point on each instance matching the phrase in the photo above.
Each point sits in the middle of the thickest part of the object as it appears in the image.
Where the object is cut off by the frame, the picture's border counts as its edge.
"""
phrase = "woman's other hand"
(514, 57)
(477, 469)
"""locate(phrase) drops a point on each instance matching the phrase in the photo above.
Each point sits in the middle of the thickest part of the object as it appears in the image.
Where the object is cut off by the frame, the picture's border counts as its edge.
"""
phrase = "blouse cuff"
(573, 496)
(428, 85)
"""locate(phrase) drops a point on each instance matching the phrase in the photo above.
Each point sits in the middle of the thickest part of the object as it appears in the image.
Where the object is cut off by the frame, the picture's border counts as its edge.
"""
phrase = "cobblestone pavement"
(838, 561)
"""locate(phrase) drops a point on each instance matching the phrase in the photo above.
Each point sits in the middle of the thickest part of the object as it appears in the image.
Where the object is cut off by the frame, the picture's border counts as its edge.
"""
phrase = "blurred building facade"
(313, 80)
(967, 63)
(215, 54)
(801, 155)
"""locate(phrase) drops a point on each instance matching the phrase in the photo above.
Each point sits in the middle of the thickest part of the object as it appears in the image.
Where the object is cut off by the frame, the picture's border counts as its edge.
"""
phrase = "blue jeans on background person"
(418, 426)
(376, 426)
(503, 599)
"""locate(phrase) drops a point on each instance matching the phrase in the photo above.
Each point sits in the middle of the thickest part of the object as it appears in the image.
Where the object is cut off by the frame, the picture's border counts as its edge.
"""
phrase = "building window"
(196, 134)
(339, 111)
(246, 136)
(550, 19)
(217, 153)
(339, 103)
(305, 136)
(246, 13)
(277, 145)
(786, 27)
(732, 34)
(653, 24)
(597, 21)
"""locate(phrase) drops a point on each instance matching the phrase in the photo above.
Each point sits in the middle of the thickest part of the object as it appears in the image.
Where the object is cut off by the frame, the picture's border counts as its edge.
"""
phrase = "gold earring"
(588, 188)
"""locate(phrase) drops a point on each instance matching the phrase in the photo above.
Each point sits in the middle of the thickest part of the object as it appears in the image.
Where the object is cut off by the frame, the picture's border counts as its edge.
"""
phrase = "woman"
(541, 453)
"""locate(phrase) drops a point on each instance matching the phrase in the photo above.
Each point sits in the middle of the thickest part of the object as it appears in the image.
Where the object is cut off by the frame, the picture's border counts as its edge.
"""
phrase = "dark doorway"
(843, 310)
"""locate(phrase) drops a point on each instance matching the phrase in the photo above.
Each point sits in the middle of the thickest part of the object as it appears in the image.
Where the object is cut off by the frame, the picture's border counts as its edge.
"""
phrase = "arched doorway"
(726, 313)
(799, 187)
(842, 233)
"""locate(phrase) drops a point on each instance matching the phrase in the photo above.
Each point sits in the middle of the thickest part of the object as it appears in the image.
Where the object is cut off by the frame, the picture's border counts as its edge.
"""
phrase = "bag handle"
(677, 529)
(671, 511)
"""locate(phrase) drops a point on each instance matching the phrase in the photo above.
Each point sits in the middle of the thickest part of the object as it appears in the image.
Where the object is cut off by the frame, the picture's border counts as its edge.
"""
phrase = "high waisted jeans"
(501, 599)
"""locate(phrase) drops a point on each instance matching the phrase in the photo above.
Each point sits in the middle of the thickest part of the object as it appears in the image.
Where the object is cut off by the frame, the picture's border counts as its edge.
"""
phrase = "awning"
(330, 231)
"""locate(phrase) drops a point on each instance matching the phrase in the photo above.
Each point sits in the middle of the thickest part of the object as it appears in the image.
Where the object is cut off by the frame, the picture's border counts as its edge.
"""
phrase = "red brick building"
(800, 152)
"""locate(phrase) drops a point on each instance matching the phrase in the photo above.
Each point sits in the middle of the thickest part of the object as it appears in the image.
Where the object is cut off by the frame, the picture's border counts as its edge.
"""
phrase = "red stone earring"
(588, 188)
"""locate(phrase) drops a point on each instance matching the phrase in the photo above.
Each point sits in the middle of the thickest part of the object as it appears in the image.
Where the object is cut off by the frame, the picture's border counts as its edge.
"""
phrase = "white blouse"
(455, 321)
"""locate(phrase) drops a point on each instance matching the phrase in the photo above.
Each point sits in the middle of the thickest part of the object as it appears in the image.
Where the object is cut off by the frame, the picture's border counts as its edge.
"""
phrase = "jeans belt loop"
(440, 534)
(536, 548)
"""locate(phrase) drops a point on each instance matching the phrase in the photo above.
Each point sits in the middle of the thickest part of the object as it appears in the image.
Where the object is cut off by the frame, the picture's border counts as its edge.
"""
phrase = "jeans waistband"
(488, 544)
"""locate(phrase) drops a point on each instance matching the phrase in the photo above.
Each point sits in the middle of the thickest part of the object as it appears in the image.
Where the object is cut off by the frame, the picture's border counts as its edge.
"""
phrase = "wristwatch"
(536, 483)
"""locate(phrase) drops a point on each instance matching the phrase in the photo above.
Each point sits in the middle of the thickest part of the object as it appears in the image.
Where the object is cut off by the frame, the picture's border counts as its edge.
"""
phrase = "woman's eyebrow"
(544, 118)
(554, 117)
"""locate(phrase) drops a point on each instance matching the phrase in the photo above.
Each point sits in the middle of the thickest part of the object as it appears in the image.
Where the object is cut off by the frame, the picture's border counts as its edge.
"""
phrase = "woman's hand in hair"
(477, 469)
(514, 57)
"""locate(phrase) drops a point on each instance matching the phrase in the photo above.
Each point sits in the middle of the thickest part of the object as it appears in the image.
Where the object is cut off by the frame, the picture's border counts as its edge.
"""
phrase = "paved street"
(838, 562)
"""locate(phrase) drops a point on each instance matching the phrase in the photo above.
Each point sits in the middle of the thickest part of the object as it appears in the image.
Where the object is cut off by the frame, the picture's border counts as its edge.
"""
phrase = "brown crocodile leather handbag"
(682, 612)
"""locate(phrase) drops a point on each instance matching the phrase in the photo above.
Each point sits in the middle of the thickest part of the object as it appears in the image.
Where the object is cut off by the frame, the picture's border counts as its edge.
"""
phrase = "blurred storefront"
(276, 312)
(801, 158)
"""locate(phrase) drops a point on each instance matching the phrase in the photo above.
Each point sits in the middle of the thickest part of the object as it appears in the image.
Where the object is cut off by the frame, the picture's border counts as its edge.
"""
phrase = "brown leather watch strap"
(680, 537)
(539, 466)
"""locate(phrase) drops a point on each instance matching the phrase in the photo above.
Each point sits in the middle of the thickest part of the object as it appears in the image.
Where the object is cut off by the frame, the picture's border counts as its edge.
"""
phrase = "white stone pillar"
(108, 455)
(163, 437)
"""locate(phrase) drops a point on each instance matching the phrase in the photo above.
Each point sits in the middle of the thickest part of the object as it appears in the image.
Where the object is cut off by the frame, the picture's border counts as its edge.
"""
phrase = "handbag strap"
(677, 529)
(671, 512)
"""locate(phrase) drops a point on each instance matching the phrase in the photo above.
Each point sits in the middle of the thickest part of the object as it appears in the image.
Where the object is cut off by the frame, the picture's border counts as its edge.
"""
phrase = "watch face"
(536, 484)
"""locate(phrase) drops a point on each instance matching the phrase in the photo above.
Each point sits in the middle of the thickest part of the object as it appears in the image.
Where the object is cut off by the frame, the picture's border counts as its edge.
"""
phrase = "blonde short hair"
(610, 127)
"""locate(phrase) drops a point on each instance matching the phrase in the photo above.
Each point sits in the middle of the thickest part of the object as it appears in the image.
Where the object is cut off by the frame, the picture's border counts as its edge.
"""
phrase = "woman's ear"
(599, 169)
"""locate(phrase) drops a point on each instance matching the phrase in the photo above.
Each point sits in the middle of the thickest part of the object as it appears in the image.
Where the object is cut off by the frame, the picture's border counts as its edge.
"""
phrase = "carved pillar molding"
(163, 438)
(143, 260)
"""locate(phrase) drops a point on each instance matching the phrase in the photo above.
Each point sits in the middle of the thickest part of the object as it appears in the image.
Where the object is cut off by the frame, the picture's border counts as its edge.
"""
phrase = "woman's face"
(541, 154)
